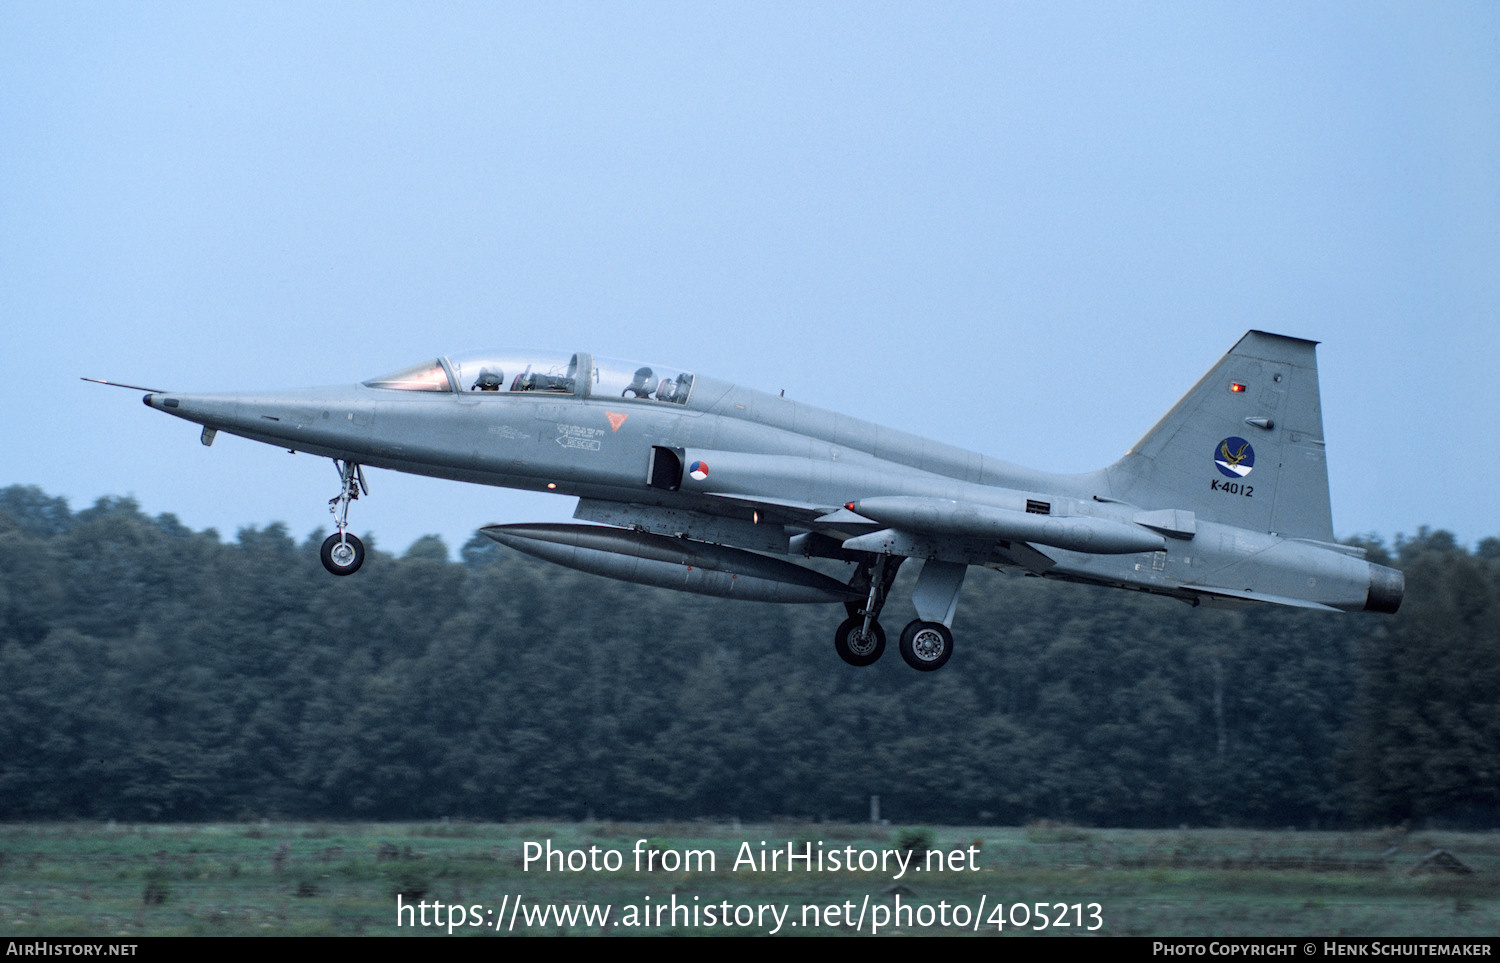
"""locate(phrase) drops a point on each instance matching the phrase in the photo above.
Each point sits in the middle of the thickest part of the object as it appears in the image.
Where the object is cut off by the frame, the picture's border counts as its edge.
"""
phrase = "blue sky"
(1025, 229)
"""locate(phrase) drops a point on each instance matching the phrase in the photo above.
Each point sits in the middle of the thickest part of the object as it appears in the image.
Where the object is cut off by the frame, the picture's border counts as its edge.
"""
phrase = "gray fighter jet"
(703, 486)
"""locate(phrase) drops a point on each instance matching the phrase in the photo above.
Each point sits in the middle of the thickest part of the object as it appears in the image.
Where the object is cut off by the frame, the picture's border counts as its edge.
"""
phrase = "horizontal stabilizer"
(1248, 596)
(1169, 521)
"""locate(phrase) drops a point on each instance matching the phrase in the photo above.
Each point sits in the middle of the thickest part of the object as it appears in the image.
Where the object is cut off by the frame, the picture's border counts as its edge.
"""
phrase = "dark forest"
(151, 672)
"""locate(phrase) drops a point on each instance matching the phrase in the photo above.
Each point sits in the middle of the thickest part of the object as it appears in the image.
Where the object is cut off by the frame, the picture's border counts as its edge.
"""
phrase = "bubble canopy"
(501, 374)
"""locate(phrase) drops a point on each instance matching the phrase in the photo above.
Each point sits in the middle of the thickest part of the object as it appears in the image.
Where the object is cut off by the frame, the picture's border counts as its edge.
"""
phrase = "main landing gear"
(926, 645)
(859, 639)
(926, 642)
(858, 643)
(343, 553)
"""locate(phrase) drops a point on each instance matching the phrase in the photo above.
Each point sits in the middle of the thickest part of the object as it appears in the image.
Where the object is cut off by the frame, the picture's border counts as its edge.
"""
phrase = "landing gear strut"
(343, 553)
(859, 639)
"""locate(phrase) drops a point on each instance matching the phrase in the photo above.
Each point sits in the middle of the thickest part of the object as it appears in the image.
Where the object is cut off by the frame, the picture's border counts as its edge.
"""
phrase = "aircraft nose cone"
(219, 410)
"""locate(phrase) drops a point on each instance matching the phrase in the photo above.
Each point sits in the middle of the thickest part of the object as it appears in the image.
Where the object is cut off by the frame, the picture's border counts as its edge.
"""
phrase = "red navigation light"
(1236, 386)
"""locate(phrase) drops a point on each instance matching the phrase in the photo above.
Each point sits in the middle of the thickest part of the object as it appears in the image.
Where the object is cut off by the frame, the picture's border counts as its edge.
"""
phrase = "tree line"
(152, 672)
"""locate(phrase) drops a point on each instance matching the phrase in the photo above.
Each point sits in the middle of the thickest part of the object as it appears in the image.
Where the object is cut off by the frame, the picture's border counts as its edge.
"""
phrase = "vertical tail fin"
(1243, 447)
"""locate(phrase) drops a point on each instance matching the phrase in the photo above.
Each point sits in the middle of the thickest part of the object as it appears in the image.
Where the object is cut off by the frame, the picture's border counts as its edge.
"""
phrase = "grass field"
(337, 879)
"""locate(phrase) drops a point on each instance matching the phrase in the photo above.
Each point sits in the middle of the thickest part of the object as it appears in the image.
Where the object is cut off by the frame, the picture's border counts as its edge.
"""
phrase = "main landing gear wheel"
(926, 645)
(857, 646)
(342, 554)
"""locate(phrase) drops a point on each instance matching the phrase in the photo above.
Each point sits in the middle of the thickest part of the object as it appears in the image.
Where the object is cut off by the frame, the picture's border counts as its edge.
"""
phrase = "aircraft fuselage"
(713, 477)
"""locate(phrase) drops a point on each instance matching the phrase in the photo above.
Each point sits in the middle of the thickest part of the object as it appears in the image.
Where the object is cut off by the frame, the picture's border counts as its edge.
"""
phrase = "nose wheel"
(343, 553)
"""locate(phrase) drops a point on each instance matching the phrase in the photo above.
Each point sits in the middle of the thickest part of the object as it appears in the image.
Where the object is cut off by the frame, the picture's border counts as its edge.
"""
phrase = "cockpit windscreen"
(427, 376)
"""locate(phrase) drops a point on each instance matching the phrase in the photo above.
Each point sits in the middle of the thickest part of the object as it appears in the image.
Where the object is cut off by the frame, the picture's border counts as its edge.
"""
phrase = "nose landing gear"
(343, 553)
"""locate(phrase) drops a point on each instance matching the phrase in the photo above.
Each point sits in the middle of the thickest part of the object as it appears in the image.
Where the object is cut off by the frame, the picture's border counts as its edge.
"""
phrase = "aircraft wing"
(792, 509)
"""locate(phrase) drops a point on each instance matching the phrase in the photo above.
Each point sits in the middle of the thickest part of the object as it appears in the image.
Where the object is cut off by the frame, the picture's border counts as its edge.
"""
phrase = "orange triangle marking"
(615, 420)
